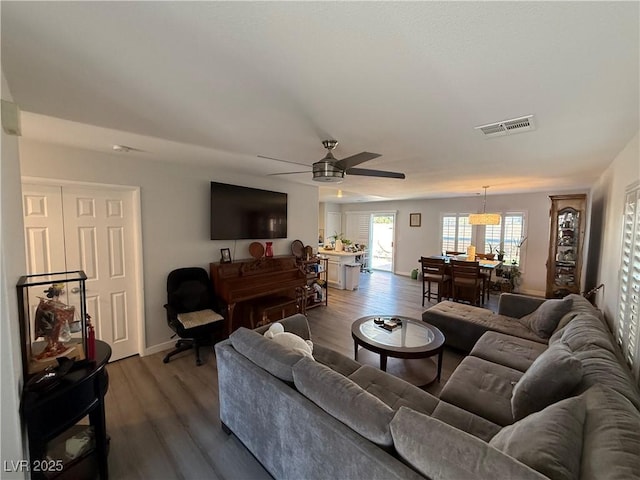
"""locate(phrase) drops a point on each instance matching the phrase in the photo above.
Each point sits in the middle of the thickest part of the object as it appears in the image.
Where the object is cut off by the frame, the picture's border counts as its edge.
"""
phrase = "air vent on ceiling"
(507, 127)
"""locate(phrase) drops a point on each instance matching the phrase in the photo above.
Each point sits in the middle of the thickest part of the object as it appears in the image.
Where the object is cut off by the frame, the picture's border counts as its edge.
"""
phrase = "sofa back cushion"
(544, 320)
(579, 305)
(393, 391)
(553, 376)
(344, 400)
(595, 436)
(591, 342)
(549, 441)
(440, 451)
(611, 445)
(265, 353)
(296, 323)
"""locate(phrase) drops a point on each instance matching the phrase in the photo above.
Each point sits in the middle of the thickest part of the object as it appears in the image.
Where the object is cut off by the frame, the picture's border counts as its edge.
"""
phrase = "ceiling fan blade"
(374, 173)
(285, 161)
(287, 173)
(356, 159)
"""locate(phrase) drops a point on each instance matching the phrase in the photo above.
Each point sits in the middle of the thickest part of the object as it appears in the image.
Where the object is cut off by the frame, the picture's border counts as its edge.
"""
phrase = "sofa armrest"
(517, 306)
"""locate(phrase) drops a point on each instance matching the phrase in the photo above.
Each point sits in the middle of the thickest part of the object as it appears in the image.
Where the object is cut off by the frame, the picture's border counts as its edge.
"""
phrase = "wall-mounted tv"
(247, 213)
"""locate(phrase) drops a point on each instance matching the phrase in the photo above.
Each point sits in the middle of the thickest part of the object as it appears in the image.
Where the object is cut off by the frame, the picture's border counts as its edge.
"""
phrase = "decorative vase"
(339, 245)
(268, 251)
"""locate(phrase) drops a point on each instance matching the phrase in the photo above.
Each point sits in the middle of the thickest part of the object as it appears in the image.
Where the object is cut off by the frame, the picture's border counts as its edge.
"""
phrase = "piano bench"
(272, 308)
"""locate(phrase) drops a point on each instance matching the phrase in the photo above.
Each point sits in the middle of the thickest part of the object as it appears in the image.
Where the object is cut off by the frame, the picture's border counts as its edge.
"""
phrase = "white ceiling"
(222, 82)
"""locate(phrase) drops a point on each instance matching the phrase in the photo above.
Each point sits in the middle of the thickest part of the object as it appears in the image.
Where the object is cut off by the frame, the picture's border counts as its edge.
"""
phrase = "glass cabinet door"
(564, 264)
(567, 236)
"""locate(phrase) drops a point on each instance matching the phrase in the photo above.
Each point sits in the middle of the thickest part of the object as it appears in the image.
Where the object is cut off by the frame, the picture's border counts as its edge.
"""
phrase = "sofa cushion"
(267, 354)
(393, 391)
(507, 350)
(585, 331)
(335, 360)
(344, 400)
(611, 444)
(296, 323)
(483, 388)
(444, 452)
(544, 320)
(549, 441)
(551, 377)
(463, 325)
(579, 305)
(601, 367)
(465, 421)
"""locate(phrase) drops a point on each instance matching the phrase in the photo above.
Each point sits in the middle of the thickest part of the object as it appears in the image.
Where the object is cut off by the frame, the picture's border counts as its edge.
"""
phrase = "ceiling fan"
(332, 170)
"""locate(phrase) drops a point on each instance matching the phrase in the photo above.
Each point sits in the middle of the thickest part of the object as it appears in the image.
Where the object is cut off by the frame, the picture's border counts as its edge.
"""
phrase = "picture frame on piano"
(225, 255)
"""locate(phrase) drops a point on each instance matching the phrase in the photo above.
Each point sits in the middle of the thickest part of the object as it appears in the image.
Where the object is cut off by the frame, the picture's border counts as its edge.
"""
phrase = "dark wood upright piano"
(246, 281)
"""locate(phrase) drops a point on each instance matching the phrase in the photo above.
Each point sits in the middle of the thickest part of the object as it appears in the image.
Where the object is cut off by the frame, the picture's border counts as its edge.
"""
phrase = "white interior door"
(97, 230)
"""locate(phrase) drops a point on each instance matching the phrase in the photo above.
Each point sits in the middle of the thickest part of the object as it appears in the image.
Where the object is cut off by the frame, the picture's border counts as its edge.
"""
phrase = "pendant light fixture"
(484, 218)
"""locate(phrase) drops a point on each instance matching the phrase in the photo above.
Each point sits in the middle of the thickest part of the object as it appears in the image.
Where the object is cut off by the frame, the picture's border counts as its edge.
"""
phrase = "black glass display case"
(53, 319)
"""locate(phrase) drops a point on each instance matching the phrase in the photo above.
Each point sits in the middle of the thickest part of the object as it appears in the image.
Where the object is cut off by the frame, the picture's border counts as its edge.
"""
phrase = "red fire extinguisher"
(91, 340)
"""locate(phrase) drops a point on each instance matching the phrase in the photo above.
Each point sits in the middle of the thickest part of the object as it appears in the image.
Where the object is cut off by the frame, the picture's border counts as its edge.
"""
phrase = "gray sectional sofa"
(514, 408)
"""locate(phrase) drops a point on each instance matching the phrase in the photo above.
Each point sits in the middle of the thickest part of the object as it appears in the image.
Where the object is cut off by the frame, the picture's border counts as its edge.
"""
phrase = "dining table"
(486, 265)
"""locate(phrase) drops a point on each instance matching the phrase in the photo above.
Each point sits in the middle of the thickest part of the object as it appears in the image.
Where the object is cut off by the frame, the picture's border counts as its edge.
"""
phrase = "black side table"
(49, 414)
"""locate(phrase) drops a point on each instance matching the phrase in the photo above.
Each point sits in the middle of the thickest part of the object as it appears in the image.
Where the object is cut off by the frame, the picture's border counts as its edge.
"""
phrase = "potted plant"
(338, 241)
(500, 254)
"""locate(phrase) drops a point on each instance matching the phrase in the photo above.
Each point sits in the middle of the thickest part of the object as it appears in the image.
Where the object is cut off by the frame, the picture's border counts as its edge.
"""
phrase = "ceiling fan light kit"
(327, 172)
(332, 170)
(484, 218)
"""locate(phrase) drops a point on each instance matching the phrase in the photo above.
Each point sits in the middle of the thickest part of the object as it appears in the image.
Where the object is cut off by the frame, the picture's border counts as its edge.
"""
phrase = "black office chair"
(192, 310)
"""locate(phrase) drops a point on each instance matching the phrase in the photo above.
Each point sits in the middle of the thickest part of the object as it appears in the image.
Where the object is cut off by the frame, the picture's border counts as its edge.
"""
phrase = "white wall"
(175, 208)
(12, 262)
(607, 204)
(413, 242)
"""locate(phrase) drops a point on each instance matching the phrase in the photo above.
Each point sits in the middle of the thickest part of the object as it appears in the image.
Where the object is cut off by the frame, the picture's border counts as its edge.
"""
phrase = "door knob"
(75, 290)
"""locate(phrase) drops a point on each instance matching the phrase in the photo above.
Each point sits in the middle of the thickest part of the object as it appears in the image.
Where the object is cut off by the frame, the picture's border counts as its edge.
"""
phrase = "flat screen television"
(247, 213)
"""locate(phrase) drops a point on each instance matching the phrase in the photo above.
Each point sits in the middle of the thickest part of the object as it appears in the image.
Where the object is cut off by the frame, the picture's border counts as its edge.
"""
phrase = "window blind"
(627, 327)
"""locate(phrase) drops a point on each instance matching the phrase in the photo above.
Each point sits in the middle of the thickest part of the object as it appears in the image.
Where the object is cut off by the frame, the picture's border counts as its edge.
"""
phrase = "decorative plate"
(297, 248)
(256, 249)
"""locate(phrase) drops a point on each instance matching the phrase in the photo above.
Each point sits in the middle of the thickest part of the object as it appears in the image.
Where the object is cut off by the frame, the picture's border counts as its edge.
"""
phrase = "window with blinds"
(627, 319)
(507, 236)
(456, 232)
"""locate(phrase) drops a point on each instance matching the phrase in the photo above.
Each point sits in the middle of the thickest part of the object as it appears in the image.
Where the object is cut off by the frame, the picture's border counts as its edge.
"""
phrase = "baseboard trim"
(161, 347)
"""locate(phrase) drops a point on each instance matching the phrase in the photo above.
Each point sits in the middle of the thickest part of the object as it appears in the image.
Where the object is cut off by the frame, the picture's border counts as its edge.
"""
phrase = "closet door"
(43, 228)
(90, 229)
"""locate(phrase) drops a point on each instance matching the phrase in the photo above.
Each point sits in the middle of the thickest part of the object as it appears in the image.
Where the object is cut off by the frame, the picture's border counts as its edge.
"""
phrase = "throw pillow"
(344, 400)
(549, 441)
(440, 451)
(550, 378)
(289, 340)
(544, 320)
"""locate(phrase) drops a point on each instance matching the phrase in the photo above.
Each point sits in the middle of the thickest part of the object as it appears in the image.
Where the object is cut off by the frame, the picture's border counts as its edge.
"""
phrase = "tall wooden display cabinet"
(564, 265)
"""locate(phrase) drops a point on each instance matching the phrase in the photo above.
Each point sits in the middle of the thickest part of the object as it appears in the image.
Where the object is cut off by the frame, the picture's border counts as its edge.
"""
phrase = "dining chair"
(467, 282)
(434, 271)
(486, 274)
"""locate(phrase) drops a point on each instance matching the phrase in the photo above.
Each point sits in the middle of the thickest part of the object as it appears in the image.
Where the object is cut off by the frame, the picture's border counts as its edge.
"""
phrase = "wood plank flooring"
(163, 418)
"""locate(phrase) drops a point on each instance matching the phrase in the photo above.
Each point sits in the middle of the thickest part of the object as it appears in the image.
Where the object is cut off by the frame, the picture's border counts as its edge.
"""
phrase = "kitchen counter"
(337, 266)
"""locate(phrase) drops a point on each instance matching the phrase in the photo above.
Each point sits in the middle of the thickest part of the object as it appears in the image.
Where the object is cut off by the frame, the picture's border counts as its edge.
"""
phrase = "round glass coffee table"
(409, 339)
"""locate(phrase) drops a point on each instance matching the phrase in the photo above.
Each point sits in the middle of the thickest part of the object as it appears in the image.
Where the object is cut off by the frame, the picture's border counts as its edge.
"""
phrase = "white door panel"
(43, 228)
(95, 228)
(99, 237)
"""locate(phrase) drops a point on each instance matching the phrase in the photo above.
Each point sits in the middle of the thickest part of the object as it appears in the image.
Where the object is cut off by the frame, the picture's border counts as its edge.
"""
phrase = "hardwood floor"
(163, 418)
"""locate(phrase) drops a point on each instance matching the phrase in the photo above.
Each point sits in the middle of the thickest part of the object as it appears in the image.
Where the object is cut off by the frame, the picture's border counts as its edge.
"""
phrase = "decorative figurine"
(52, 322)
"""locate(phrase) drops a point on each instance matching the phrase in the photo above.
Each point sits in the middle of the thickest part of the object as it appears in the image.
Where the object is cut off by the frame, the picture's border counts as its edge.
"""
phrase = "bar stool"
(466, 277)
(434, 271)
